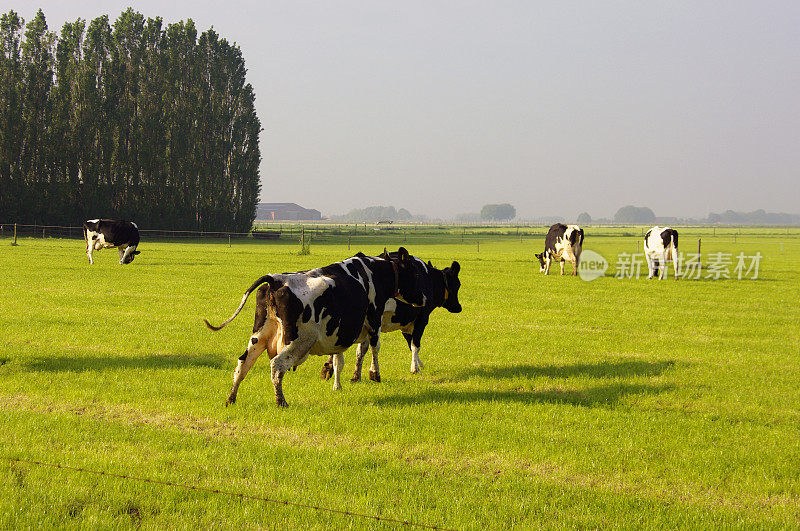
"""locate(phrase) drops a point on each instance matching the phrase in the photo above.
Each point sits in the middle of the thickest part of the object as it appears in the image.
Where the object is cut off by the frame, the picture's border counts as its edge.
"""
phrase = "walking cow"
(661, 245)
(440, 288)
(322, 311)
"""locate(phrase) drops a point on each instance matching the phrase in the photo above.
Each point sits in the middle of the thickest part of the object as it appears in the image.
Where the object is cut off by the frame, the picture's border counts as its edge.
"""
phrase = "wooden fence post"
(15, 234)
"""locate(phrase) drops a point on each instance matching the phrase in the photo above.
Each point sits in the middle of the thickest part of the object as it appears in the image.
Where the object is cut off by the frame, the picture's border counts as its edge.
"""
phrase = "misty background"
(557, 108)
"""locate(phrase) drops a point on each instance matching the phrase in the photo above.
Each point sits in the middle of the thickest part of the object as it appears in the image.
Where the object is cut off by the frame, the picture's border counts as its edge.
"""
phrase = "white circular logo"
(593, 265)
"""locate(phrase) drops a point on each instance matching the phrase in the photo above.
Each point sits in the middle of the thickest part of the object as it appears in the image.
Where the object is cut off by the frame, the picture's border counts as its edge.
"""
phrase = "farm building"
(286, 211)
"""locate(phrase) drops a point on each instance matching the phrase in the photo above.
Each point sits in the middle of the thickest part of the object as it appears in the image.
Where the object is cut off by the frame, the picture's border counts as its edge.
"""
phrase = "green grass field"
(548, 402)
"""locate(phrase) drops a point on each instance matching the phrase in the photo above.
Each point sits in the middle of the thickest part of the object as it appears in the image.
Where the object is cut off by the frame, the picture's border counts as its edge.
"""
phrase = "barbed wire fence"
(239, 495)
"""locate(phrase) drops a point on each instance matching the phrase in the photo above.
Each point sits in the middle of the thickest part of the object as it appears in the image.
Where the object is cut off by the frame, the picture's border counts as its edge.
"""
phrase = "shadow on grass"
(606, 369)
(600, 396)
(104, 363)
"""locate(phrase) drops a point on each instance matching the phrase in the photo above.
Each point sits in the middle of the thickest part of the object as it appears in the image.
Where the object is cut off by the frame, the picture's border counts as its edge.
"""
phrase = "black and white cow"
(660, 246)
(440, 288)
(563, 242)
(106, 233)
(322, 311)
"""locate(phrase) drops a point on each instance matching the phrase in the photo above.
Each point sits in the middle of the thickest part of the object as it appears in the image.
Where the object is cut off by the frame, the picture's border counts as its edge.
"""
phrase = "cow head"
(130, 257)
(540, 257)
(451, 286)
(408, 288)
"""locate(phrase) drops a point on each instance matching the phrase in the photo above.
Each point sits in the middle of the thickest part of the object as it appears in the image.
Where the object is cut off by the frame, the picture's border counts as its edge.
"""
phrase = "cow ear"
(402, 253)
(430, 265)
(455, 268)
(384, 254)
(137, 252)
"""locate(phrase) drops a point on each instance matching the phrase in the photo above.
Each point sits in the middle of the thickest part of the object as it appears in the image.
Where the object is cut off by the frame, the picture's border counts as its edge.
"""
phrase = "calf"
(563, 242)
(440, 288)
(661, 245)
(105, 233)
(322, 311)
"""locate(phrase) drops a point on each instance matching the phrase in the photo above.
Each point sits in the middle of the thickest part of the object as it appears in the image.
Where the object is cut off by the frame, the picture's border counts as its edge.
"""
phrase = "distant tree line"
(133, 120)
(757, 217)
(376, 213)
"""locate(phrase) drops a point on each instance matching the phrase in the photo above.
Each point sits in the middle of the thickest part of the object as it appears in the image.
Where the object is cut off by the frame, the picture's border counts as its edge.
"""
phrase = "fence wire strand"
(225, 493)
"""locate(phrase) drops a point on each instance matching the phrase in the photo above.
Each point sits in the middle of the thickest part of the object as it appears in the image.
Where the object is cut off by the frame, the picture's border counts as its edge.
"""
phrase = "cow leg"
(663, 265)
(90, 248)
(361, 350)
(413, 345)
(650, 266)
(414, 340)
(255, 346)
(374, 370)
(285, 360)
(121, 255)
(575, 265)
(561, 263)
(338, 365)
(547, 265)
(327, 369)
(675, 262)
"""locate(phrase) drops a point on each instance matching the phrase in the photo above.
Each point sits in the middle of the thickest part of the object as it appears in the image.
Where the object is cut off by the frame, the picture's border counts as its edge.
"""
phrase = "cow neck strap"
(396, 279)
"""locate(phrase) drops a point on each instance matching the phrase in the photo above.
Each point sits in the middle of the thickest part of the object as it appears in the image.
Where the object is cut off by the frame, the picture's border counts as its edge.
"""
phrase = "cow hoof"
(355, 379)
(230, 401)
(281, 402)
(374, 376)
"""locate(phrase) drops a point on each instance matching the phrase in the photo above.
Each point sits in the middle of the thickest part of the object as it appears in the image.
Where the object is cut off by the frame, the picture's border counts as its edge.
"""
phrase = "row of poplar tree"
(133, 120)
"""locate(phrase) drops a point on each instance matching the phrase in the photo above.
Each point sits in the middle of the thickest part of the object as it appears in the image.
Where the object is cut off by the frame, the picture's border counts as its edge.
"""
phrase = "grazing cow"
(106, 233)
(661, 245)
(563, 242)
(322, 311)
(440, 288)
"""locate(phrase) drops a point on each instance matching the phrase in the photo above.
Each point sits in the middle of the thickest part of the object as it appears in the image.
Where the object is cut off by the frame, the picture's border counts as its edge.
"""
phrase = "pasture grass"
(548, 402)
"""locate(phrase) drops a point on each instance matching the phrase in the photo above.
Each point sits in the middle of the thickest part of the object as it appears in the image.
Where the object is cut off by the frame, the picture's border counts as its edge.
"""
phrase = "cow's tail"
(256, 284)
(675, 239)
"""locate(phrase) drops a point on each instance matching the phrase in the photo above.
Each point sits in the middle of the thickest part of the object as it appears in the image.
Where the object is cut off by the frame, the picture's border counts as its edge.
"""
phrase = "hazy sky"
(556, 107)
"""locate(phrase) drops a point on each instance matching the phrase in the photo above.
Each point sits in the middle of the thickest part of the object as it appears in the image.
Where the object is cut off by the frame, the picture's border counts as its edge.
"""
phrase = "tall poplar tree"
(127, 119)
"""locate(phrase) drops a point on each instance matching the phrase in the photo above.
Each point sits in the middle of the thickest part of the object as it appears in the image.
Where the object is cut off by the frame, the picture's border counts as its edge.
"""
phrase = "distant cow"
(106, 233)
(440, 288)
(322, 311)
(660, 246)
(563, 242)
